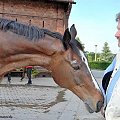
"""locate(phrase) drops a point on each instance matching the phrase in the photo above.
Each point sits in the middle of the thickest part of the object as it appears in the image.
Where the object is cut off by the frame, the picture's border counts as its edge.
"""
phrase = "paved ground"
(44, 100)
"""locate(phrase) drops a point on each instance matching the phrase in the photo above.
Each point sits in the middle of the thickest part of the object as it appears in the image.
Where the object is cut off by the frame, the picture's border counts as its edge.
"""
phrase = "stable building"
(49, 14)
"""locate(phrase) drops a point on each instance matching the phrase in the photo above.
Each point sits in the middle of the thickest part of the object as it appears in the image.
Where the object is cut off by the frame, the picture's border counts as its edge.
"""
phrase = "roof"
(65, 1)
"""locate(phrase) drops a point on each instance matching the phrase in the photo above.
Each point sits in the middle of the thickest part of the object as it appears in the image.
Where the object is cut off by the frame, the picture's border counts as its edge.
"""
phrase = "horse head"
(22, 45)
(70, 70)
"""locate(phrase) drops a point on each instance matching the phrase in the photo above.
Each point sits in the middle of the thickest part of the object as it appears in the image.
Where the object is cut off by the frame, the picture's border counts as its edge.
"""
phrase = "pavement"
(43, 100)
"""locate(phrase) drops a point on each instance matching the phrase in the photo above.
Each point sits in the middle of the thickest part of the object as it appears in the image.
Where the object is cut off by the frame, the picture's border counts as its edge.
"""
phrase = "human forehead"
(118, 25)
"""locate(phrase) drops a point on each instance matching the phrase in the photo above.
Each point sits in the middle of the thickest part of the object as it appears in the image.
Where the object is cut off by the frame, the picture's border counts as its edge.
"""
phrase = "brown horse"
(22, 45)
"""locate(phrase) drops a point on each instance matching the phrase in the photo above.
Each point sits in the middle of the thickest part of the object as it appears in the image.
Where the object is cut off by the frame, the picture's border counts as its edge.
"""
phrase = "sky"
(95, 23)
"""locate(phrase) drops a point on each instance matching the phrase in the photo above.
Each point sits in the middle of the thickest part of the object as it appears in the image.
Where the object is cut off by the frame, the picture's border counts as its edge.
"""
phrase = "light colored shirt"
(113, 93)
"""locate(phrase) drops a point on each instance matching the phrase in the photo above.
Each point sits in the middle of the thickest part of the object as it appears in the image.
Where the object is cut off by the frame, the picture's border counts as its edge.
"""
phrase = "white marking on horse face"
(84, 59)
(74, 61)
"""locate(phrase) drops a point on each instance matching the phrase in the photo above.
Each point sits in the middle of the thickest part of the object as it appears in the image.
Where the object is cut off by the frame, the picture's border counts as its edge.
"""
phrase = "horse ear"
(73, 31)
(66, 38)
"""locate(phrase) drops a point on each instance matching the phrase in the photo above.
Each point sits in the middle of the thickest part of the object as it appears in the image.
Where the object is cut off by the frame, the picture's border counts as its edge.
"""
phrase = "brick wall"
(50, 15)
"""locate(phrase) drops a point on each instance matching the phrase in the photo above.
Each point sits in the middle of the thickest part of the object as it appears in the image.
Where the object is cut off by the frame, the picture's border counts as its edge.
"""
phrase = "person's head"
(117, 35)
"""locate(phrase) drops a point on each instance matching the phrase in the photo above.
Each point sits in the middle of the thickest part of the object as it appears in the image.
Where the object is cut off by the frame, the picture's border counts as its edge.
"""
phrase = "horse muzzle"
(99, 106)
(91, 108)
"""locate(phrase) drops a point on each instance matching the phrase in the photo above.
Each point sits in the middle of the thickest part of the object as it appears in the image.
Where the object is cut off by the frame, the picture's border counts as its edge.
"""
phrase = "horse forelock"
(79, 45)
(76, 47)
(31, 33)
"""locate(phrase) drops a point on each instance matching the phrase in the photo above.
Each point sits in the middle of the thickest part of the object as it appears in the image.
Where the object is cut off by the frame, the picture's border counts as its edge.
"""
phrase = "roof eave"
(64, 1)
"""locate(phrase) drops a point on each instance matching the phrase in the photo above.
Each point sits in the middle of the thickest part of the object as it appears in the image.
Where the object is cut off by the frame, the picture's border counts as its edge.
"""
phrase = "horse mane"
(32, 33)
(79, 45)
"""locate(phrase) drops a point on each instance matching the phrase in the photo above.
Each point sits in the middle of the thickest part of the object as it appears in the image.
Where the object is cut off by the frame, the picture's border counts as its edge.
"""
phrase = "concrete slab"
(44, 100)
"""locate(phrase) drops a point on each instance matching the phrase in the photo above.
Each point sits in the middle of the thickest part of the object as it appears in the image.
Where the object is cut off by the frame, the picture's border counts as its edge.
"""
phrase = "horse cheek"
(63, 77)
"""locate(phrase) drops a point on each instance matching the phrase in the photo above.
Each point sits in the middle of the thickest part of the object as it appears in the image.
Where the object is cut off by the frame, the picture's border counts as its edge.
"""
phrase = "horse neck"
(50, 45)
(18, 61)
(35, 54)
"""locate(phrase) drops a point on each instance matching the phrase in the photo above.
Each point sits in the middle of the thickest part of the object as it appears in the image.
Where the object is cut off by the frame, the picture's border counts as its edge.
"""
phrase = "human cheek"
(117, 35)
(118, 42)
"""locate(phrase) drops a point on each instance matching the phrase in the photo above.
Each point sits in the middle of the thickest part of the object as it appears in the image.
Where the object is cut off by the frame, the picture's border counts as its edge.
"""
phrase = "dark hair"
(32, 33)
(118, 16)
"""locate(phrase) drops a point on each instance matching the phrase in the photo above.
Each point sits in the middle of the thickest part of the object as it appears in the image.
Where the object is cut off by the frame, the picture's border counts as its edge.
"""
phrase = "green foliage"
(106, 54)
(91, 56)
(101, 65)
(78, 39)
(35, 72)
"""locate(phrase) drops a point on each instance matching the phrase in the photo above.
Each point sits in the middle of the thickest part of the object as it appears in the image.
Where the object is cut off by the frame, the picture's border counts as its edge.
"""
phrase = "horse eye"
(75, 65)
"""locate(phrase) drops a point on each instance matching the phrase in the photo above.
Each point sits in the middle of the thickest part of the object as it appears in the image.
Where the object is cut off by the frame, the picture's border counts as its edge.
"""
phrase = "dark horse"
(22, 45)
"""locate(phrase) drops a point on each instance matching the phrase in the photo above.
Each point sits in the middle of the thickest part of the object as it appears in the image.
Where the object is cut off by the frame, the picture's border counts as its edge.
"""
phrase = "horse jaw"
(92, 104)
(73, 78)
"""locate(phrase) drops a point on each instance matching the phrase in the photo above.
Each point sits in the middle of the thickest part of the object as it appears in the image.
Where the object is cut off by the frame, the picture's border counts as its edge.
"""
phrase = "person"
(9, 77)
(23, 74)
(111, 83)
(28, 71)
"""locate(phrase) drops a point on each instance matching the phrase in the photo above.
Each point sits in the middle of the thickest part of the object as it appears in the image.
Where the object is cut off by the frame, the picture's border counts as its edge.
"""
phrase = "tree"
(106, 54)
(91, 56)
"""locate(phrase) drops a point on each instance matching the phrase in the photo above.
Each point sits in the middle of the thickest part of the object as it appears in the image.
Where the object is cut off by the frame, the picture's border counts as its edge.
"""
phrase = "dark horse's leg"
(23, 74)
(9, 77)
(29, 72)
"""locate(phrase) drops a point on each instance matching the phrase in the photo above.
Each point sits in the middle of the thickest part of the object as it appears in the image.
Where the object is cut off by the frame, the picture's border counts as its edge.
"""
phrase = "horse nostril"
(99, 106)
